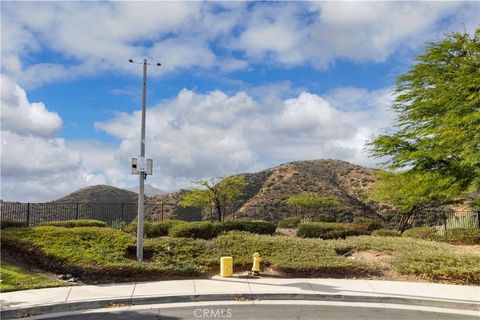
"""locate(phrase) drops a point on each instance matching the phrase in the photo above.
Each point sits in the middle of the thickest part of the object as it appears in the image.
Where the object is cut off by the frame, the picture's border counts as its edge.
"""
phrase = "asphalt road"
(268, 312)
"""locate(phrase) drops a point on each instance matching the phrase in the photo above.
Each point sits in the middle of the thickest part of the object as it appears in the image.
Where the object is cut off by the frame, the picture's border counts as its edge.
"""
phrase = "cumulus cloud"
(93, 37)
(36, 165)
(195, 135)
(21, 116)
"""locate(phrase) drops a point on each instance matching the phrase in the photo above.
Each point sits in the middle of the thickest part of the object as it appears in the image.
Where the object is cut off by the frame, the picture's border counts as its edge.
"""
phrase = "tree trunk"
(402, 225)
(219, 211)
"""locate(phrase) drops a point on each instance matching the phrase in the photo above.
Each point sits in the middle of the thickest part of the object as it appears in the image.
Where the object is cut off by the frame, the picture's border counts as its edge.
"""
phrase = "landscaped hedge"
(385, 233)
(75, 223)
(462, 236)
(196, 230)
(12, 224)
(153, 229)
(289, 222)
(258, 227)
(330, 230)
(455, 236)
(370, 224)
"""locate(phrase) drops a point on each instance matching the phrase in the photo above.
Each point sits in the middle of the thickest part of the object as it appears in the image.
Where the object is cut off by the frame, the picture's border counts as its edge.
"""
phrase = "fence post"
(478, 219)
(76, 211)
(162, 211)
(28, 214)
(123, 210)
(445, 221)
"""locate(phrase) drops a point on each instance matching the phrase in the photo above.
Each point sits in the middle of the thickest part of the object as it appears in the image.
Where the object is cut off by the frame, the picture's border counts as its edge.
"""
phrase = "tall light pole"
(141, 163)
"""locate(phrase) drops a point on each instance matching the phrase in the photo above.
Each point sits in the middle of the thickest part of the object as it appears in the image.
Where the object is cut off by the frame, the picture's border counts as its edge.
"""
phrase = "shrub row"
(196, 230)
(330, 230)
(209, 230)
(289, 222)
(12, 224)
(455, 236)
(75, 223)
(153, 229)
(368, 223)
(259, 227)
(199, 229)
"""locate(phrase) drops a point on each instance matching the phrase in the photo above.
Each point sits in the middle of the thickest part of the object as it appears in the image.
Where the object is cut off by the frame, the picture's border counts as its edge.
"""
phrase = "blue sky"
(243, 85)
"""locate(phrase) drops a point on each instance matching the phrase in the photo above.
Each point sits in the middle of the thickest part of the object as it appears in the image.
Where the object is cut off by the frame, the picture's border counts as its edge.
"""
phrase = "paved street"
(269, 312)
(255, 290)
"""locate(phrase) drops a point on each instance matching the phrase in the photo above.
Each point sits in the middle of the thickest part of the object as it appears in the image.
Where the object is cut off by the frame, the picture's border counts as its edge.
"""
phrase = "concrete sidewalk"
(222, 289)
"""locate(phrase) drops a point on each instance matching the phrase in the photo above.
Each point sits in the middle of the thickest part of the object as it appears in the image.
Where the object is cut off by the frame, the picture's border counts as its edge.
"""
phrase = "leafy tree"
(411, 193)
(435, 144)
(215, 193)
(308, 201)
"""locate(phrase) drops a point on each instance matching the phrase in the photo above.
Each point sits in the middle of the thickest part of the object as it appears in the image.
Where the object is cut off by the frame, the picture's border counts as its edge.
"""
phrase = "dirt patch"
(383, 261)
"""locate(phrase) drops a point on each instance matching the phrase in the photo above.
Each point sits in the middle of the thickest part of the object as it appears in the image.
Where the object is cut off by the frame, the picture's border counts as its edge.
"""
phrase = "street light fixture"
(142, 165)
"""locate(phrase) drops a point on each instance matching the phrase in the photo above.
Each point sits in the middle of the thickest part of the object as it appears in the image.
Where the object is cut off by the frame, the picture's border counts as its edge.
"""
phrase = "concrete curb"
(146, 300)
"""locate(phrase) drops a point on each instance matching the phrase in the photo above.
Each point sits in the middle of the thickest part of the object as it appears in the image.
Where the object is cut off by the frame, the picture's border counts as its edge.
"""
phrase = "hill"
(149, 190)
(347, 182)
(100, 194)
(265, 190)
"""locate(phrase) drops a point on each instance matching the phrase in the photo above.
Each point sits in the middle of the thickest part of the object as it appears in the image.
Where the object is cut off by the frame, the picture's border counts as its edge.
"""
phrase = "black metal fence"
(35, 213)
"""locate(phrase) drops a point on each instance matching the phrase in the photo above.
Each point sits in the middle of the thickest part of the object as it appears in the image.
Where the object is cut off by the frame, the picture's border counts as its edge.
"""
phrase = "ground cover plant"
(106, 254)
(16, 278)
(426, 259)
(385, 233)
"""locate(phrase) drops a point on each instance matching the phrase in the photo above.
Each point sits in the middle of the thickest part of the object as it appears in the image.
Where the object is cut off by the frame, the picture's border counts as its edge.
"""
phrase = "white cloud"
(37, 166)
(196, 136)
(22, 117)
(320, 32)
(88, 38)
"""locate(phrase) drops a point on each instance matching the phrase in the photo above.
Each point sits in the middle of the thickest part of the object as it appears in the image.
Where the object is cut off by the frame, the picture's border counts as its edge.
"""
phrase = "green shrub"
(462, 236)
(118, 224)
(385, 233)
(323, 217)
(196, 230)
(153, 229)
(425, 233)
(75, 223)
(12, 224)
(259, 227)
(329, 230)
(465, 236)
(289, 222)
(369, 223)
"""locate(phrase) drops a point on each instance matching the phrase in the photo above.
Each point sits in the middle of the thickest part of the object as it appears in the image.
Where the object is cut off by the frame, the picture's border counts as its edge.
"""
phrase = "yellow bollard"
(226, 266)
(256, 262)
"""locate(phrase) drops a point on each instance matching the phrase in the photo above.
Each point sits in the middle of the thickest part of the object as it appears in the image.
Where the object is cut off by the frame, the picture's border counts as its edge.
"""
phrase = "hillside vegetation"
(100, 194)
(266, 190)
